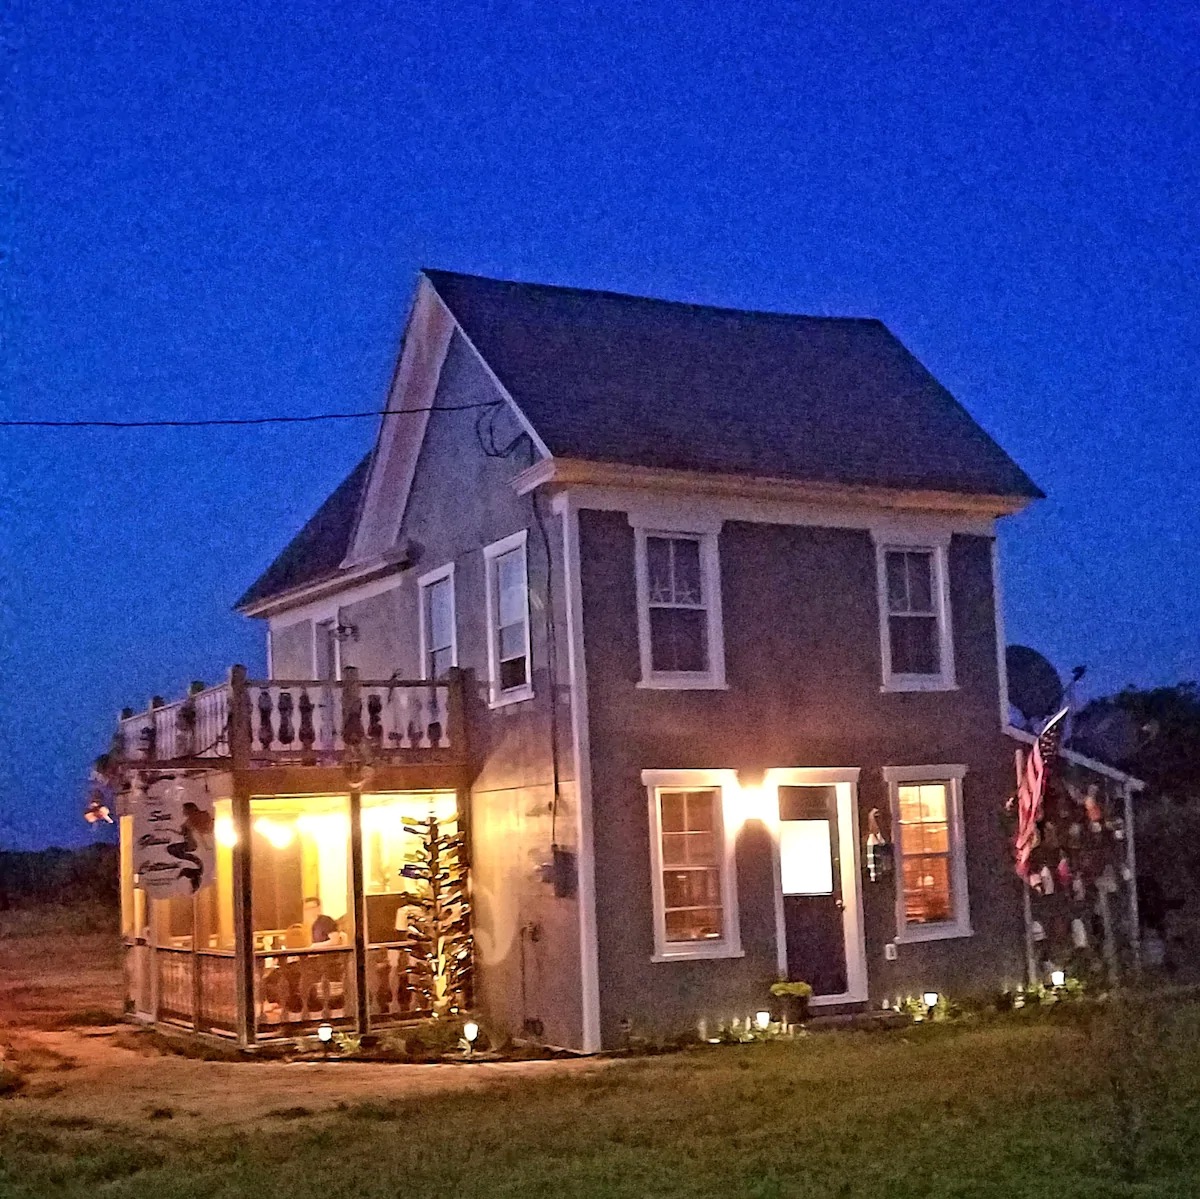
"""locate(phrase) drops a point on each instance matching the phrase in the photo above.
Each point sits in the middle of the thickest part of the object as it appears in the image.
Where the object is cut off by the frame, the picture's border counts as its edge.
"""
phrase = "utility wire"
(248, 420)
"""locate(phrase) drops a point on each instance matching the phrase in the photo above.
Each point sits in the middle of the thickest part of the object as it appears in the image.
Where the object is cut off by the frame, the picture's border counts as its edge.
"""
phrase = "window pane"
(933, 801)
(691, 888)
(674, 813)
(658, 564)
(510, 587)
(512, 641)
(675, 849)
(439, 614)
(927, 898)
(700, 809)
(686, 558)
(678, 639)
(694, 924)
(897, 582)
(513, 673)
(920, 582)
(440, 661)
(914, 644)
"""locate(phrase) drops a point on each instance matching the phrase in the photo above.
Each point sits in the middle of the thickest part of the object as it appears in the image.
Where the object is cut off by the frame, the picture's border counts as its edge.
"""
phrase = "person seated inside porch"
(323, 930)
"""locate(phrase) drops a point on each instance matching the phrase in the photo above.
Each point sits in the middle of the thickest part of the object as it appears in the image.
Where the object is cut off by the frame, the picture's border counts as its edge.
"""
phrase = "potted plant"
(794, 997)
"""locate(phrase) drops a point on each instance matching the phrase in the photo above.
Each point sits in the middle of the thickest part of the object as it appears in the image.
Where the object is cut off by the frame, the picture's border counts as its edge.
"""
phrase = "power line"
(247, 420)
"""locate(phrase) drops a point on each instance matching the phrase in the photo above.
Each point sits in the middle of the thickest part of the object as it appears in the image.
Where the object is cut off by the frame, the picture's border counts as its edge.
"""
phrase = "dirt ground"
(110, 1071)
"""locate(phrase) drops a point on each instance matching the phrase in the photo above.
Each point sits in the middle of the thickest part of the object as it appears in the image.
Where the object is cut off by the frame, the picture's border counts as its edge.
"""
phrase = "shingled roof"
(317, 550)
(654, 383)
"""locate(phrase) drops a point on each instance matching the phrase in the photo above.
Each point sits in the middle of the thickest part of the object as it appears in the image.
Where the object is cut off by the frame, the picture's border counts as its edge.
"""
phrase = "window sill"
(516, 696)
(915, 935)
(700, 952)
(682, 682)
(918, 683)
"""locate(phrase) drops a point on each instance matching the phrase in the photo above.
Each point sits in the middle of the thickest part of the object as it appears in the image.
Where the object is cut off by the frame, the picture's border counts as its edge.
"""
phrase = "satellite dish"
(1034, 687)
(1108, 732)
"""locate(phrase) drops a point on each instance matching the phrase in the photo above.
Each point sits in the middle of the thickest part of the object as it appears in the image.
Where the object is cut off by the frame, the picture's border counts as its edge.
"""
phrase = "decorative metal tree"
(438, 938)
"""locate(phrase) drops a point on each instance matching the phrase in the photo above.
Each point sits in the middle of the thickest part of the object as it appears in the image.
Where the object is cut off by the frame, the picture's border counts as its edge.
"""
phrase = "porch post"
(243, 914)
(360, 907)
(1135, 925)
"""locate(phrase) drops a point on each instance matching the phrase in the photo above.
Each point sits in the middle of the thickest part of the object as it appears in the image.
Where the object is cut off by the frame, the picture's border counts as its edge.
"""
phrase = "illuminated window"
(693, 884)
(914, 607)
(508, 620)
(679, 623)
(439, 650)
(931, 883)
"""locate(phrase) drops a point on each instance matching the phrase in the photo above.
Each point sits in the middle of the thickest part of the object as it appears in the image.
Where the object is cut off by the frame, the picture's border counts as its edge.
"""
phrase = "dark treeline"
(65, 876)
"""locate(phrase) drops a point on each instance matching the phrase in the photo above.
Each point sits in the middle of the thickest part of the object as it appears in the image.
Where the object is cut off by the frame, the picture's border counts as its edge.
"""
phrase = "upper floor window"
(679, 613)
(439, 644)
(693, 885)
(914, 609)
(931, 859)
(508, 620)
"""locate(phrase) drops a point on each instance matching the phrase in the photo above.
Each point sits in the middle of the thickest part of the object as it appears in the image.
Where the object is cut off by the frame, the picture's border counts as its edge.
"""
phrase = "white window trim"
(425, 581)
(938, 547)
(496, 697)
(952, 776)
(333, 619)
(730, 944)
(712, 679)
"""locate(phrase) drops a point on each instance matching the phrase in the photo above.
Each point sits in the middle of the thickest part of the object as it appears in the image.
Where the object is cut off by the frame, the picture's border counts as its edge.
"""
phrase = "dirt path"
(93, 1072)
(110, 1073)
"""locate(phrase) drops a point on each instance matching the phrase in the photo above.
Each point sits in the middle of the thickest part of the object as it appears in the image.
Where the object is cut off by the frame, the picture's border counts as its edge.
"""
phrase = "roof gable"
(655, 383)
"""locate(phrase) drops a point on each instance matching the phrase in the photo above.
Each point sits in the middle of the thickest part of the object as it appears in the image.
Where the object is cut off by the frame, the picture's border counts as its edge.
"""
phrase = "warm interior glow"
(805, 861)
(225, 832)
(278, 833)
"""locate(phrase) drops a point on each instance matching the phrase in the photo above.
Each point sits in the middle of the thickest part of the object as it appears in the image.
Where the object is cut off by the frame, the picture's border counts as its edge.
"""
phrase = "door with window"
(810, 879)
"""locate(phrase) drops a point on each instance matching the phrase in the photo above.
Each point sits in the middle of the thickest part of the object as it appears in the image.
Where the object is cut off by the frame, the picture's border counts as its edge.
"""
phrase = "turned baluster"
(266, 730)
(435, 717)
(352, 725)
(308, 734)
(374, 723)
(286, 733)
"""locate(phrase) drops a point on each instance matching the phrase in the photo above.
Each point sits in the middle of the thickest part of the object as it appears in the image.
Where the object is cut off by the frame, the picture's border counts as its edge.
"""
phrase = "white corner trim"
(952, 776)
(712, 679)
(496, 697)
(1001, 638)
(427, 580)
(938, 548)
(726, 784)
(589, 958)
(845, 780)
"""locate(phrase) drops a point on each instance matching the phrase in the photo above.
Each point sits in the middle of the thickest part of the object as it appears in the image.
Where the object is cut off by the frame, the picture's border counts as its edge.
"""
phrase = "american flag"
(1032, 789)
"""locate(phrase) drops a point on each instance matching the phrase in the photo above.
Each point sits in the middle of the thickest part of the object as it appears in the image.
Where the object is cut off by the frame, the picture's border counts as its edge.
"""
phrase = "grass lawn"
(1024, 1106)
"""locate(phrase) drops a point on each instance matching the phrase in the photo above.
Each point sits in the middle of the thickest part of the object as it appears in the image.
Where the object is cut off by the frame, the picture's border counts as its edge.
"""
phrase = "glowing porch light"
(275, 832)
(762, 1021)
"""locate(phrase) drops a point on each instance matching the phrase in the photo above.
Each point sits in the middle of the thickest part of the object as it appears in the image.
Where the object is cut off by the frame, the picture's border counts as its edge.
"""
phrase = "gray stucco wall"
(803, 666)
(291, 650)
(527, 958)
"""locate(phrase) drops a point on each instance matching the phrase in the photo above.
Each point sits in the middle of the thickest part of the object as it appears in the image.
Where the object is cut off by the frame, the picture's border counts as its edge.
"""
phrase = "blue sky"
(220, 211)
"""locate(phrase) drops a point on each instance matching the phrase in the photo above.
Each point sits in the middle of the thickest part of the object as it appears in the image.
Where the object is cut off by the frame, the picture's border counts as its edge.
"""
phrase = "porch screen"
(925, 853)
(691, 864)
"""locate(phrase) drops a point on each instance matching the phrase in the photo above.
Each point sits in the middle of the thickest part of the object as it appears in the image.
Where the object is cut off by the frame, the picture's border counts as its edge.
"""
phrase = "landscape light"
(931, 998)
(470, 1032)
(1058, 978)
(762, 1020)
(324, 1033)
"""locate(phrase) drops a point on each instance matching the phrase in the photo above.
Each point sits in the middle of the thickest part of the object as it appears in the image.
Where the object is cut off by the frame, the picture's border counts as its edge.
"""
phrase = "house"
(686, 619)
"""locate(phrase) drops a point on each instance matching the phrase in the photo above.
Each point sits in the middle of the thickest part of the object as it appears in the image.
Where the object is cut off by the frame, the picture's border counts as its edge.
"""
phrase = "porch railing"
(256, 722)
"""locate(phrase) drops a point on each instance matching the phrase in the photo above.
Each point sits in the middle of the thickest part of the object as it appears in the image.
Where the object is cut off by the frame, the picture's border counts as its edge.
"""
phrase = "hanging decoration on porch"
(173, 847)
(438, 937)
(880, 859)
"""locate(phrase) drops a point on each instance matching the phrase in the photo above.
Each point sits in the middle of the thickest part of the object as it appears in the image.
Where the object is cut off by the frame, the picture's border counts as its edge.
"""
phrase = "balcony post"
(240, 731)
(357, 888)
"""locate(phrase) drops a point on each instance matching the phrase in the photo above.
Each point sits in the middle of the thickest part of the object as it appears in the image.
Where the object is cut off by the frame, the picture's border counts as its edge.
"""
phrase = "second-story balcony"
(248, 723)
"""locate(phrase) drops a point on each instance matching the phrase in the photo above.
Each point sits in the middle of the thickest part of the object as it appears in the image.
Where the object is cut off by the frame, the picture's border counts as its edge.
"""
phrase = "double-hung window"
(508, 620)
(693, 881)
(914, 617)
(931, 859)
(679, 609)
(439, 648)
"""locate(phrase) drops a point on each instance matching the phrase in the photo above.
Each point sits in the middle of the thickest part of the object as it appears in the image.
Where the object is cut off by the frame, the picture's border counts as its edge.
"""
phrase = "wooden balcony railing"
(275, 722)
